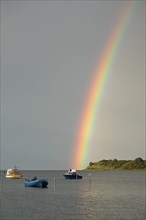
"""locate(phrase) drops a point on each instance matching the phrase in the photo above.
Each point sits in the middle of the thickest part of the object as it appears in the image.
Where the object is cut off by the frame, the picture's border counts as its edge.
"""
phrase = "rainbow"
(96, 89)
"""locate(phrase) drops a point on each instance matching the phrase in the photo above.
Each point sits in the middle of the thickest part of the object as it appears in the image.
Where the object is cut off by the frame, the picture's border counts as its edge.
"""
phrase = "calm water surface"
(100, 195)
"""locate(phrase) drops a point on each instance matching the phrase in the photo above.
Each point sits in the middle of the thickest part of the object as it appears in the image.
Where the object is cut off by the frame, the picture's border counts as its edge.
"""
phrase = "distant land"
(137, 164)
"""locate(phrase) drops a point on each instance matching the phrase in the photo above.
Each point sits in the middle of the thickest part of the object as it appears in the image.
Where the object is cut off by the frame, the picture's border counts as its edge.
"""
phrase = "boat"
(72, 174)
(13, 173)
(35, 182)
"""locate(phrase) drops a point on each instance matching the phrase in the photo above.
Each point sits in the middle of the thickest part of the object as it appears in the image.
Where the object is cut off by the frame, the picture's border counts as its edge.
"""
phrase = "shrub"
(91, 164)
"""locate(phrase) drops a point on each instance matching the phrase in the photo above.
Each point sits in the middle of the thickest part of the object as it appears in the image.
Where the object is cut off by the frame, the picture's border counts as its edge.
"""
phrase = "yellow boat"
(13, 173)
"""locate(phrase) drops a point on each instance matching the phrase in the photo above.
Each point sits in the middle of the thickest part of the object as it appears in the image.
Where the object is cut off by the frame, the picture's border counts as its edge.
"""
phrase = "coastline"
(137, 164)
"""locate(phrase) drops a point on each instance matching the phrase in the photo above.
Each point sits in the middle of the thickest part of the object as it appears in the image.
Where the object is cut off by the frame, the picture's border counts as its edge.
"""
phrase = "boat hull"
(36, 183)
(72, 177)
(13, 176)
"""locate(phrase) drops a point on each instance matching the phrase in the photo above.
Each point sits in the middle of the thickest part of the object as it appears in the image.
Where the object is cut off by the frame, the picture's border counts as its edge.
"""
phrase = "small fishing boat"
(72, 174)
(13, 173)
(35, 182)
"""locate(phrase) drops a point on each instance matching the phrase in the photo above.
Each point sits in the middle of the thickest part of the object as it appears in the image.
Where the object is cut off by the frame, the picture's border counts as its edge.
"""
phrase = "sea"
(100, 195)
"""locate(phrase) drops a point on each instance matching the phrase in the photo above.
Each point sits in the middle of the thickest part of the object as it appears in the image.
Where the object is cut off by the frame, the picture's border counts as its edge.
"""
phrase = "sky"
(49, 50)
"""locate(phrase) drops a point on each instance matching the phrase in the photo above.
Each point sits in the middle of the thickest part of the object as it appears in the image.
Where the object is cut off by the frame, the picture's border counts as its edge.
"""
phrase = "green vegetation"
(137, 164)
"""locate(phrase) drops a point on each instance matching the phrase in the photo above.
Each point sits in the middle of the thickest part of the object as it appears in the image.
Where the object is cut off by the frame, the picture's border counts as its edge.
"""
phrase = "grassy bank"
(137, 164)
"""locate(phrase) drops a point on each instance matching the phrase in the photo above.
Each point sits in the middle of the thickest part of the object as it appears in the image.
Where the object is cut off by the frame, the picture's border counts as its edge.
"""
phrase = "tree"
(139, 160)
(91, 163)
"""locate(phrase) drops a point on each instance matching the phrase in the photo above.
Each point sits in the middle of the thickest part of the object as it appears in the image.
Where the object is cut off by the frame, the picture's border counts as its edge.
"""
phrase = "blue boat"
(35, 182)
(72, 174)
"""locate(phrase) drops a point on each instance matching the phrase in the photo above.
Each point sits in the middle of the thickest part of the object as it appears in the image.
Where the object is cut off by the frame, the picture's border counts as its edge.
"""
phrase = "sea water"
(100, 195)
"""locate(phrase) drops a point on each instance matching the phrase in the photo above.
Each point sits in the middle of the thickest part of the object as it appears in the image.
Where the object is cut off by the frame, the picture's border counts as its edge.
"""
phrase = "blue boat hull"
(36, 183)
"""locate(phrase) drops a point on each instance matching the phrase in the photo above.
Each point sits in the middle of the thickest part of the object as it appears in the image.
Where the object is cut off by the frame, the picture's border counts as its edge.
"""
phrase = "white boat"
(72, 174)
(13, 173)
